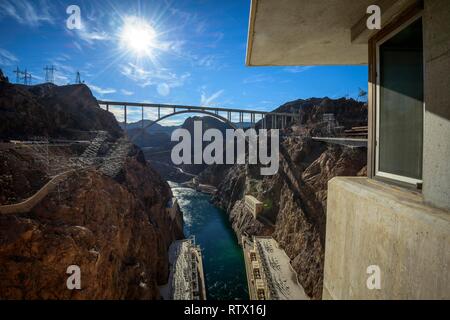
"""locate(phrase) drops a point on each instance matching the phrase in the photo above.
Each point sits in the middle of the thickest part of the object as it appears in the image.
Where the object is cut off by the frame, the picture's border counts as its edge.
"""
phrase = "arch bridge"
(272, 120)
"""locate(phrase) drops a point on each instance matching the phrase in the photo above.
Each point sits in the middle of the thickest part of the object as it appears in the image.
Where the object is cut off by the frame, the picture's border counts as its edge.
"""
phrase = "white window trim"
(378, 173)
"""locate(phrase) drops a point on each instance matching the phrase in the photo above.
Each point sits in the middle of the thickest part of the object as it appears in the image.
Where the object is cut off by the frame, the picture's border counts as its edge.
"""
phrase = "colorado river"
(223, 259)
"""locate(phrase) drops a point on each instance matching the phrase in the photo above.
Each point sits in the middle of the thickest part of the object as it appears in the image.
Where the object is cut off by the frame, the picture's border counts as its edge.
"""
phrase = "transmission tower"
(18, 74)
(78, 78)
(26, 77)
(49, 74)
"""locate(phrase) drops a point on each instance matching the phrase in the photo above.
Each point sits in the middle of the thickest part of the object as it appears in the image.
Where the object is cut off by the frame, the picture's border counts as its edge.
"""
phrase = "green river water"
(223, 259)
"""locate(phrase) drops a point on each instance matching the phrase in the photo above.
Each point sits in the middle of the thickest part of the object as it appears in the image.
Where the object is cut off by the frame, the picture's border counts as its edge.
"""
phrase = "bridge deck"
(170, 106)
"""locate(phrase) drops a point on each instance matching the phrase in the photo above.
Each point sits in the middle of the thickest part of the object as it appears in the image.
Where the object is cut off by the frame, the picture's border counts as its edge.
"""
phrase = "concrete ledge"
(348, 142)
(373, 223)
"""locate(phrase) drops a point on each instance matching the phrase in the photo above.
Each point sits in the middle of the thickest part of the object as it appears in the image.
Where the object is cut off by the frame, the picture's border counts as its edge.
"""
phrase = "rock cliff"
(51, 111)
(115, 228)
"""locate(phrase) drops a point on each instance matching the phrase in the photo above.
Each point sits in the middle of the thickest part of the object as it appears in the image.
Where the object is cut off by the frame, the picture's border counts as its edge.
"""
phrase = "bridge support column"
(159, 113)
(107, 107)
(142, 114)
(229, 116)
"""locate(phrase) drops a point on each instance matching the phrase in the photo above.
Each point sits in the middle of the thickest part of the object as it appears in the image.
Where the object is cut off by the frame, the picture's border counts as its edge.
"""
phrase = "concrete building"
(270, 275)
(253, 205)
(395, 223)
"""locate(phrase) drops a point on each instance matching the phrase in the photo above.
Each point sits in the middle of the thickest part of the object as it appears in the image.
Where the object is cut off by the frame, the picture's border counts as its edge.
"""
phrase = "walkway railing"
(31, 202)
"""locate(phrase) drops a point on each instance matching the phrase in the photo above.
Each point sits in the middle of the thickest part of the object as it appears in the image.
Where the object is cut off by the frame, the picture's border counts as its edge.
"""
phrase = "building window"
(400, 105)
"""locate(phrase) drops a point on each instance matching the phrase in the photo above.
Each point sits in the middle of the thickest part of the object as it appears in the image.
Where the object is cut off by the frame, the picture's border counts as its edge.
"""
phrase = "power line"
(49, 74)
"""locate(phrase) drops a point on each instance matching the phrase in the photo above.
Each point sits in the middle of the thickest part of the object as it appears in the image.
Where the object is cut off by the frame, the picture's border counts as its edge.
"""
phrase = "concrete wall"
(436, 161)
(372, 223)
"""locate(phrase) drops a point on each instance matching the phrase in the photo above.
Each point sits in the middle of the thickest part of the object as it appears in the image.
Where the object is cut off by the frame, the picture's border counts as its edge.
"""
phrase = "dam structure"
(186, 278)
(270, 275)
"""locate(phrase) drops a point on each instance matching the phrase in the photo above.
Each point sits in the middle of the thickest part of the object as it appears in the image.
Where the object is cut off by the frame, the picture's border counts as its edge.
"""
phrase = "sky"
(189, 52)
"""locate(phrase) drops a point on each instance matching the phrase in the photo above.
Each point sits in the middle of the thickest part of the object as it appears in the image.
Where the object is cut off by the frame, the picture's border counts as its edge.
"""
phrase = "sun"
(138, 36)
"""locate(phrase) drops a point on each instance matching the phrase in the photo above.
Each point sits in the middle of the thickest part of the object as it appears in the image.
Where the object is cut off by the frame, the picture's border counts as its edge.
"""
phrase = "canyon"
(294, 198)
(111, 219)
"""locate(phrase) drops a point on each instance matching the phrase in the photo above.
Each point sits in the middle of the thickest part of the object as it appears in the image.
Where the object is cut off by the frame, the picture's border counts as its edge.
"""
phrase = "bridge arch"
(218, 117)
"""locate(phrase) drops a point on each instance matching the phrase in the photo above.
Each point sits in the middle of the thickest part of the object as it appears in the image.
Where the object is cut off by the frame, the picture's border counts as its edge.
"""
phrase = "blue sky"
(197, 56)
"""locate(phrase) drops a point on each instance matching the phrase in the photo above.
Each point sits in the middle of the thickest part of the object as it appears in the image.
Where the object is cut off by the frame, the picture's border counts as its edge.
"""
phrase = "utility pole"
(49, 74)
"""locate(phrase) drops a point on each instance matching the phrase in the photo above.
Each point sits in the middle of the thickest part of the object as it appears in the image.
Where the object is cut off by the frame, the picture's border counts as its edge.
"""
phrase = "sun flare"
(138, 36)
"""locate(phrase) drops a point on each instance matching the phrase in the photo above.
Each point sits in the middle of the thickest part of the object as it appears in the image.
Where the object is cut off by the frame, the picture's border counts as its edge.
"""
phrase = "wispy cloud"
(126, 92)
(207, 61)
(7, 58)
(77, 46)
(101, 91)
(163, 89)
(162, 78)
(92, 35)
(207, 100)
(298, 69)
(216, 38)
(61, 79)
(258, 78)
(210, 61)
(31, 13)
(187, 18)
(91, 31)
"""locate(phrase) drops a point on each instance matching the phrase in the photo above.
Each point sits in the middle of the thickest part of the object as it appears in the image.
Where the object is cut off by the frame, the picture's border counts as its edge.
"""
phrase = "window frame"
(386, 176)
